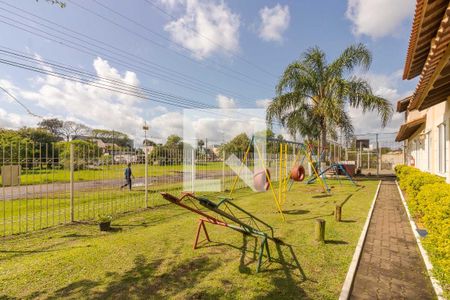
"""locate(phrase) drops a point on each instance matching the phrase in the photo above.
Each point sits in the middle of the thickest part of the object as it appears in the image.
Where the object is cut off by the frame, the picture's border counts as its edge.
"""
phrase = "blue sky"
(250, 41)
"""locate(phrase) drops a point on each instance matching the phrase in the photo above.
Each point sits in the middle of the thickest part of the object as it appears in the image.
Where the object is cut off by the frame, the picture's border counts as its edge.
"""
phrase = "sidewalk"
(391, 266)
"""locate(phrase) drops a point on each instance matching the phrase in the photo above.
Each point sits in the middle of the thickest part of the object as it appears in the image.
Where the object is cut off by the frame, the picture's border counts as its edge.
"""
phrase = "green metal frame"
(227, 210)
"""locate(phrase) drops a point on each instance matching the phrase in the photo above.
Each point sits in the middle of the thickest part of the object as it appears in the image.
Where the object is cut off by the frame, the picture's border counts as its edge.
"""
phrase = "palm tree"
(313, 96)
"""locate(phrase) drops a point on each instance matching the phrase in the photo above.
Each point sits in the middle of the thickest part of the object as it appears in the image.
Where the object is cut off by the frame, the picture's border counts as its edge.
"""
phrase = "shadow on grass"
(286, 286)
(321, 216)
(296, 212)
(143, 281)
(346, 199)
(336, 242)
(321, 196)
(18, 253)
(114, 229)
(289, 268)
(74, 235)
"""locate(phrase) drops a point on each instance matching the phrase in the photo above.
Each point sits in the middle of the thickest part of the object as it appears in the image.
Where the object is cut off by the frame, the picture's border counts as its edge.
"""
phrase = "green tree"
(37, 135)
(70, 130)
(174, 142)
(200, 144)
(14, 148)
(85, 153)
(147, 142)
(53, 126)
(112, 136)
(313, 95)
(237, 145)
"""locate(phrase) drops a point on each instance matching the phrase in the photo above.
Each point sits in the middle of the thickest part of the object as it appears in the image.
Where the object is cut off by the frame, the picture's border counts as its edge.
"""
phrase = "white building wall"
(424, 155)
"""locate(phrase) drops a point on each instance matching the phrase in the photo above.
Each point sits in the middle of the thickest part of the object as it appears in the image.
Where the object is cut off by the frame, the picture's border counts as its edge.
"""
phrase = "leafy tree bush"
(428, 198)
(85, 153)
(414, 181)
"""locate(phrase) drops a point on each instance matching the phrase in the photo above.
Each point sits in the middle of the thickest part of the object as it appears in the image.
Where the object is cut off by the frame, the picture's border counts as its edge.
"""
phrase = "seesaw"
(229, 213)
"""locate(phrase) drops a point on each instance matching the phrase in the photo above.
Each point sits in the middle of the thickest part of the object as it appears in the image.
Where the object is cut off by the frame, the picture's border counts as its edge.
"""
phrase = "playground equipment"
(336, 167)
(297, 171)
(261, 178)
(232, 216)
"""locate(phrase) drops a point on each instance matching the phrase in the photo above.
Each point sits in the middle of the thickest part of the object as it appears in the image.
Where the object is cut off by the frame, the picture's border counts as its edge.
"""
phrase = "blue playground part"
(336, 167)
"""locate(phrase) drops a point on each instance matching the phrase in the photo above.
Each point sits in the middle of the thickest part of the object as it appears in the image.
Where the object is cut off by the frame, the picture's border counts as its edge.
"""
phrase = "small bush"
(414, 181)
(428, 198)
(403, 172)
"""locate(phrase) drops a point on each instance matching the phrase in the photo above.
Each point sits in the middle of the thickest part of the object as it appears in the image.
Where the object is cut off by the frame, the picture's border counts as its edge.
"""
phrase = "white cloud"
(166, 124)
(385, 86)
(172, 4)
(207, 27)
(225, 102)
(378, 18)
(89, 104)
(274, 22)
(14, 121)
(263, 103)
(220, 125)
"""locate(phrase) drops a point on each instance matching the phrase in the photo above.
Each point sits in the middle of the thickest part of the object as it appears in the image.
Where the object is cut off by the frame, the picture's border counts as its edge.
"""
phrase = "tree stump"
(320, 230)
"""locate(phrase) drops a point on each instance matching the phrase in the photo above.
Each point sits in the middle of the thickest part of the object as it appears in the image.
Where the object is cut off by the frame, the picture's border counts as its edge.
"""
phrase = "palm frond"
(352, 57)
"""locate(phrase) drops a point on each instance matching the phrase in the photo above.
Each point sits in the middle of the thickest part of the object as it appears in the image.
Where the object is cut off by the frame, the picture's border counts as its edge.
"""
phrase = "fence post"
(223, 170)
(71, 168)
(378, 156)
(146, 176)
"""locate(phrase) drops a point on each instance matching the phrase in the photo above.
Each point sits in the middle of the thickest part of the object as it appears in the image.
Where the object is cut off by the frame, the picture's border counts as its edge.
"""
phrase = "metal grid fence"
(44, 185)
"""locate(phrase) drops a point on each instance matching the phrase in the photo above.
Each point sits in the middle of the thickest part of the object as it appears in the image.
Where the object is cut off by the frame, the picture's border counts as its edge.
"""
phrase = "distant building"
(391, 159)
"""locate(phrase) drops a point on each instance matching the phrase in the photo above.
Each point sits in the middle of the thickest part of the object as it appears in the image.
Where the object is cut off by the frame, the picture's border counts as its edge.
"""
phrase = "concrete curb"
(436, 285)
(347, 287)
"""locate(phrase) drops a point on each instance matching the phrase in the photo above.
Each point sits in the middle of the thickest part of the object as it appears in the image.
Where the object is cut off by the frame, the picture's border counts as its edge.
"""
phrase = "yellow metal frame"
(277, 200)
(283, 179)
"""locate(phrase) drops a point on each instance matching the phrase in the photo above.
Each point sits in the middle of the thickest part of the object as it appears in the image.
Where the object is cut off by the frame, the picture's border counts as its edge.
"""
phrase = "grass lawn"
(49, 209)
(40, 176)
(150, 255)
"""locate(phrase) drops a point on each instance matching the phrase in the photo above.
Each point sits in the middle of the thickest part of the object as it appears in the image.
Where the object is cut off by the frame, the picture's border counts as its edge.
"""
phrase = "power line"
(82, 48)
(133, 88)
(255, 81)
(131, 91)
(20, 103)
(107, 47)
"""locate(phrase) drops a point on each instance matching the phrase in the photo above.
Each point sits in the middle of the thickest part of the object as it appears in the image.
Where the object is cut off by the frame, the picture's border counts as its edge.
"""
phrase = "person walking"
(128, 175)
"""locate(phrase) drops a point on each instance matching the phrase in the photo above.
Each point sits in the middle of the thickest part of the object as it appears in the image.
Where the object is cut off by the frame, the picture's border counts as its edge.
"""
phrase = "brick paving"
(391, 266)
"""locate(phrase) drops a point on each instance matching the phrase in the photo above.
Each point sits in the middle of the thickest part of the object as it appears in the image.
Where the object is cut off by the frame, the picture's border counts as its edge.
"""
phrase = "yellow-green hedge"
(428, 198)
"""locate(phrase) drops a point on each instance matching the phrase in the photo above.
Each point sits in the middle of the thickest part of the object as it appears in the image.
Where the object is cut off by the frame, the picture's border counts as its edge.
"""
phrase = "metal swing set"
(286, 177)
(336, 168)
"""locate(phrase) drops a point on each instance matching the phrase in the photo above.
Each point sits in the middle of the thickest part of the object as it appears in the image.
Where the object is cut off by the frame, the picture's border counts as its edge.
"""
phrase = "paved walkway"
(391, 266)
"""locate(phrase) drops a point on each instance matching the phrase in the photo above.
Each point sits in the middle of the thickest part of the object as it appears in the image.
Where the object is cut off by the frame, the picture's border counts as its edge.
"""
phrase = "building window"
(442, 148)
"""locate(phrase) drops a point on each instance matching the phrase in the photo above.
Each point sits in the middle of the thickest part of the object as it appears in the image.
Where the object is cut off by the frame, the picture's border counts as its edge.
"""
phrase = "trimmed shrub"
(428, 198)
(403, 172)
(432, 204)
(414, 181)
